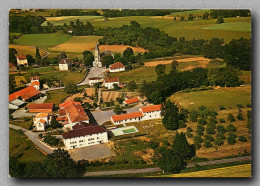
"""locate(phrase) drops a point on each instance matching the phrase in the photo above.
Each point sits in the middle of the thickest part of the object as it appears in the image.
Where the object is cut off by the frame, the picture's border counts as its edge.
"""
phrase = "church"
(98, 56)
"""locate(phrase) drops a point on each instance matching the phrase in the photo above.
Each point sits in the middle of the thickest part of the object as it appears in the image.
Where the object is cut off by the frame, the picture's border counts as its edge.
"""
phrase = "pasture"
(42, 40)
(233, 26)
(231, 172)
(228, 97)
(19, 145)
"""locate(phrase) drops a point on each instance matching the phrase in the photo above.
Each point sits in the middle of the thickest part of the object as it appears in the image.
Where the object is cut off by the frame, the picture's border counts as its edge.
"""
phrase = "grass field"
(56, 96)
(188, 29)
(228, 97)
(235, 26)
(25, 122)
(24, 50)
(77, 44)
(233, 171)
(42, 40)
(20, 145)
(66, 19)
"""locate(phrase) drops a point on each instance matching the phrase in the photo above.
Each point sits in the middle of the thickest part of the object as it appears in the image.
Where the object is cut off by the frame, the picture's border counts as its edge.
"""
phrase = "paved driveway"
(103, 116)
(92, 152)
(94, 72)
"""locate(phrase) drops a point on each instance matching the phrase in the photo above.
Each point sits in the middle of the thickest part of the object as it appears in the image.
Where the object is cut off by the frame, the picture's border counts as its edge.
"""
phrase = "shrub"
(200, 129)
(239, 106)
(240, 116)
(218, 141)
(221, 107)
(207, 144)
(197, 141)
(212, 121)
(40, 135)
(248, 105)
(209, 137)
(242, 138)
(210, 129)
(231, 118)
(231, 128)
(221, 120)
(188, 134)
(193, 116)
(202, 121)
(220, 135)
(232, 138)
(221, 129)
(153, 144)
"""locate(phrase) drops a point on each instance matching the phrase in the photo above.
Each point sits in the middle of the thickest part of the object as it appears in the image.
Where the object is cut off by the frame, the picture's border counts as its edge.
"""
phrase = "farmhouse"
(83, 135)
(41, 120)
(116, 67)
(12, 67)
(131, 101)
(22, 60)
(109, 82)
(71, 113)
(40, 107)
(145, 113)
(20, 97)
(93, 80)
(65, 64)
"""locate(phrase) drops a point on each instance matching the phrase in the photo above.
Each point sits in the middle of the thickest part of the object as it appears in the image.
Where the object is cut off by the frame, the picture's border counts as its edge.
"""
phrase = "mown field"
(231, 172)
(30, 50)
(228, 97)
(20, 146)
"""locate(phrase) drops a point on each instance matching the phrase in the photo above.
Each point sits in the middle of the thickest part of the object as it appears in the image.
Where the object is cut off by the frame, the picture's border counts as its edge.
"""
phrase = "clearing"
(227, 96)
(233, 171)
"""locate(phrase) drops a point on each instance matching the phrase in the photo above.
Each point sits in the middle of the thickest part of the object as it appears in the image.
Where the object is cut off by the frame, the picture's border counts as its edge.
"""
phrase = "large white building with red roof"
(109, 82)
(144, 113)
(84, 134)
(65, 64)
(71, 113)
(116, 67)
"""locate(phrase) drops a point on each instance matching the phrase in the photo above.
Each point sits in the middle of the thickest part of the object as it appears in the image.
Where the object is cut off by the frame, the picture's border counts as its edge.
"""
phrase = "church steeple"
(96, 47)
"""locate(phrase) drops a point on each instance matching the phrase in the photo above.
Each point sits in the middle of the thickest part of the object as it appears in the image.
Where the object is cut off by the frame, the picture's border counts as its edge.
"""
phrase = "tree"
(107, 60)
(190, 18)
(55, 124)
(231, 128)
(118, 110)
(119, 100)
(231, 118)
(70, 88)
(240, 116)
(219, 141)
(160, 69)
(62, 55)
(132, 85)
(232, 138)
(16, 168)
(170, 113)
(60, 164)
(181, 146)
(12, 55)
(37, 56)
(197, 141)
(202, 121)
(170, 162)
(88, 60)
(128, 52)
(221, 129)
(211, 129)
(242, 138)
(115, 86)
(200, 129)
(34, 170)
(207, 144)
(209, 137)
(174, 65)
(30, 59)
(193, 115)
(220, 20)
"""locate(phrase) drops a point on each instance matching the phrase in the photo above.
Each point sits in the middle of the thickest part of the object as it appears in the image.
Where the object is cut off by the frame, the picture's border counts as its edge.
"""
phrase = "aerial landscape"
(130, 93)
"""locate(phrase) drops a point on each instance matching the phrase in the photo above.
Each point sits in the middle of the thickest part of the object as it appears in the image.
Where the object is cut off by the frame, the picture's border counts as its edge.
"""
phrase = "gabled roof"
(127, 116)
(132, 100)
(151, 108)
(37, 83)
(42, 114)
(25, 93)
(110, 80)
(21, 57)
(42, 121)
(66, 61)
(74, 111)
(34, 78)
(83, 132)
(40, 106)
(11, 65)
(81, 125)
(116, 65)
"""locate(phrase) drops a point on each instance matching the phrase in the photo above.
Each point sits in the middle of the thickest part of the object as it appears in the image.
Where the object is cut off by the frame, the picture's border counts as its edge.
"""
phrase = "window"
(90, 139)
(81, 141)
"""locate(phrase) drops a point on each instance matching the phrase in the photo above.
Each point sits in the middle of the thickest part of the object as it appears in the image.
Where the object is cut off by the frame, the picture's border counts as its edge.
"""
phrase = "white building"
(84, 135)
(65, 64)
(22, 60)
(109, 82)
(145, 113)
(116, 67)
(97, 60)
(35, 82)
(71, 113)
(41, 120)
(93, 80)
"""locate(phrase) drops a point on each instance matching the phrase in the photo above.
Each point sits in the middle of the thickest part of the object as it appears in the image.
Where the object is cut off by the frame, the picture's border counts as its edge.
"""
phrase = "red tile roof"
(40, 106)
(11, 65)
(74, 110)
(81, 125)
(151, 108)
(127, 116)
(25, 93)
(42, 121)
(132, 100)
(21, 57)
(110, 80)
(66, 61)
(62, 118)
(83, 132)
(116, 65)
(40, 115)
(35, 83)
(94, 78)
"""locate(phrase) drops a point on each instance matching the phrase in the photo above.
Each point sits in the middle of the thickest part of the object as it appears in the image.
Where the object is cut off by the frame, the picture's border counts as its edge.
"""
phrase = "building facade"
(22, 60)
(41, 121)
(65, 64)
(97, 60)
(116, 67)
(109, 82)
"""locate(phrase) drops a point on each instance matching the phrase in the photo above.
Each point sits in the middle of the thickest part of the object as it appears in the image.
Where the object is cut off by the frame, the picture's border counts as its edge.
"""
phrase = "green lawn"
(20, 145)
(56, 96)
(26, 123)
(233, 26)
(42, 40)
(228, 97)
